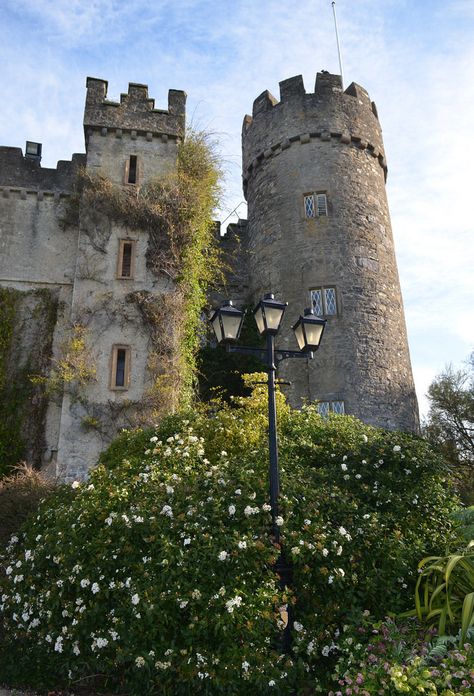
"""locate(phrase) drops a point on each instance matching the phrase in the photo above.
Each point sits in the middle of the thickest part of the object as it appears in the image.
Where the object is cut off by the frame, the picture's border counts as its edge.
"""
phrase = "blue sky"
(416, 59)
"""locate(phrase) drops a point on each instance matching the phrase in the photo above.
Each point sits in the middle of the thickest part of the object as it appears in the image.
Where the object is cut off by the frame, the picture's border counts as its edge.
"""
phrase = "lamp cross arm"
(262, 353)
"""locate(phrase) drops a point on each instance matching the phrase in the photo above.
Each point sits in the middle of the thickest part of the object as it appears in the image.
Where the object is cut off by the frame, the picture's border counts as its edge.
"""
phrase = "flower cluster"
(160, 571)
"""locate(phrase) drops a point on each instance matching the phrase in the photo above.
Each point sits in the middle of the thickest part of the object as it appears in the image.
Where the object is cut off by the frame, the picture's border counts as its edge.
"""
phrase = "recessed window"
(324, 301)
(131, 170)
(326, 407)
(126, 259)
(315, 205)
(120, 368)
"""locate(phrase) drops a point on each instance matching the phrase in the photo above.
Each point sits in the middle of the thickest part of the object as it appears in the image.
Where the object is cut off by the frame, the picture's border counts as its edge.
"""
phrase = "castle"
(318, 233)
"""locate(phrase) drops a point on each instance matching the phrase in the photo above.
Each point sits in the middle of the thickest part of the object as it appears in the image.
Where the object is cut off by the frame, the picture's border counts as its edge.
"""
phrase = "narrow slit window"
(126, 259)
(120, 376)
(132, 169)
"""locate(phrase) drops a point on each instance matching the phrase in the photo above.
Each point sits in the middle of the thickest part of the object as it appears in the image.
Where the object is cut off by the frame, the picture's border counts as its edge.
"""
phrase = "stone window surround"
(315, 206)
(326, 406)
(322, 289)
(113, 367)
(122, 243)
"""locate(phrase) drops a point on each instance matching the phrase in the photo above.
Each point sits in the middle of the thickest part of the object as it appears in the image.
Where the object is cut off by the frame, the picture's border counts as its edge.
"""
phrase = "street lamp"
(227, 323)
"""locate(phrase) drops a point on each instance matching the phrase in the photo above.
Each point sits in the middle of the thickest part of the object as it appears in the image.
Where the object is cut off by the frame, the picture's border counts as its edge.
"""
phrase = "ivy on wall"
(27, 321)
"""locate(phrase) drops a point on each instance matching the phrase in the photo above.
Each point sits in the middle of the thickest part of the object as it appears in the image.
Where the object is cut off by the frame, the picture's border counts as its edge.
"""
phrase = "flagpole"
(338, 44)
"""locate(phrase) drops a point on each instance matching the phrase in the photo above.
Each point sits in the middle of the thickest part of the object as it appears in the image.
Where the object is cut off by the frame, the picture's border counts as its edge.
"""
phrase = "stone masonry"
(329, 142)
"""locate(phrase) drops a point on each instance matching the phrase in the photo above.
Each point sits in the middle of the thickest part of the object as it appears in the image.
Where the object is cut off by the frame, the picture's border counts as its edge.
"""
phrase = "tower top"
(135, 111)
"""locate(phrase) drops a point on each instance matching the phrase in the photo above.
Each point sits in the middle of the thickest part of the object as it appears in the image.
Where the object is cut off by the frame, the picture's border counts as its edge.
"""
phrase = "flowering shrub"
(157, 573)
(400, 657)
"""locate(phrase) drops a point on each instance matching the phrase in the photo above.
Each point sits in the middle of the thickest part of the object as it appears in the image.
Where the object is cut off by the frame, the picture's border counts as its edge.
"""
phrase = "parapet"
(17, 171)
(300, 117)
(135, 111)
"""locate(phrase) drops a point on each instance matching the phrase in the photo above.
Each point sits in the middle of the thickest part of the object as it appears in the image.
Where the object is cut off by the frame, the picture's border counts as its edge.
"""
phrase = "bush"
(20, 495)
(392, 657)
(158, 573)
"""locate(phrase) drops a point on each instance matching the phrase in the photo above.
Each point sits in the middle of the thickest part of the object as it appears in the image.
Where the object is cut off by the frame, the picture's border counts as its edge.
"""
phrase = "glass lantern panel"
(299, 335)
(259, 319)
(217, 328)
(231, 323)
(313, 334)
(273, 315)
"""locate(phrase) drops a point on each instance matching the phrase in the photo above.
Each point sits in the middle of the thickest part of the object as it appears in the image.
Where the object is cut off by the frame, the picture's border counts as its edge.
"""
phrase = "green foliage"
(445, 591)
(22, 404)
(465, 518)
(158, 573)
(220, 373)
(392, 657)
(450, 423)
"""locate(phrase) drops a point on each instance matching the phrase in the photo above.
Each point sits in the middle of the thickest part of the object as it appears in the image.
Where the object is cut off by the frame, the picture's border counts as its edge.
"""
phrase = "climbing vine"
(176, 210)
(23, 404)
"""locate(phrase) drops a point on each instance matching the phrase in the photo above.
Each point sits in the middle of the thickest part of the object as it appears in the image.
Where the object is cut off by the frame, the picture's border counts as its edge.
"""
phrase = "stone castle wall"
(330, 142)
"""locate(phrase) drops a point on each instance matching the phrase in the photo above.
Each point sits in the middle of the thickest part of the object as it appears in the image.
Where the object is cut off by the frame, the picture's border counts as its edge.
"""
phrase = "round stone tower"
(319, 233)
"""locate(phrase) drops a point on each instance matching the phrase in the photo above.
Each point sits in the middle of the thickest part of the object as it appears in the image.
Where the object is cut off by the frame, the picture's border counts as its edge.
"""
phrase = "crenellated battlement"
(135, 112)
(20, 172)
(349, 117)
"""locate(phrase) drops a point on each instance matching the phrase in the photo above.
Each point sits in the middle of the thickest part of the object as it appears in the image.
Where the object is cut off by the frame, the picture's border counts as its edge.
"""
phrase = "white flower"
(307, 522)
(195, 594)
(365, 438)
(242, 544)
(75, 649)
(223, 453)
(58, 646)
(325, 552)
(271, 682)
(9, 570)
(139, 661)
(249, 510)
(330, 579)
(231, 603)
(183, 603)
(325, 651)
(187, 541)
(342, 531)
(85, 582)
(344, 467)
(231, 510)
(167, 511)
(266, 507)
(341, 572)
(295, 550)
(170, 490)
(135, 599)
(222, 555)
(279, 521)
(238, 491)
(95, 588)
(297, 626)
(153, 439)
(75, 484)
(397, 448)
(245, 666)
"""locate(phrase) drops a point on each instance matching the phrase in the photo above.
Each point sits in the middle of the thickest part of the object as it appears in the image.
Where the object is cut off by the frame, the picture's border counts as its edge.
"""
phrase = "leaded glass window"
(338, 407)
(321, 205)
(324, 301)
(309, 209)
(330, 300)
(317, 302)
(323, 408)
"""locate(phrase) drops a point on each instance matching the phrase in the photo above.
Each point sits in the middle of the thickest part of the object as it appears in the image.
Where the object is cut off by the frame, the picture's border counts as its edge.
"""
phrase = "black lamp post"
(227, 323)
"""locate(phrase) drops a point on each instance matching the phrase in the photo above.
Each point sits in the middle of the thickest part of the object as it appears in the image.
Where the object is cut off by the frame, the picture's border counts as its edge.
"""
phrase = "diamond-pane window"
(338, 407)
(324, 301)
(309, 209)
(323, 408)
(317, 302)
(321, 205)
(330, 300)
